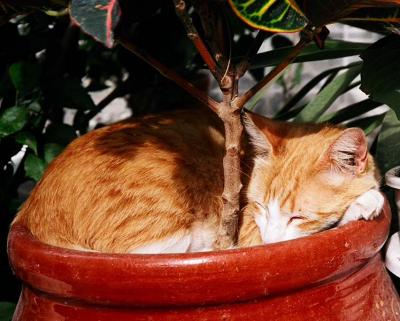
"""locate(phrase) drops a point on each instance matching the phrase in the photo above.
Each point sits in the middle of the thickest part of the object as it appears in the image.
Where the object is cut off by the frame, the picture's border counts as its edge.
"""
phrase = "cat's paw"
(367, 206)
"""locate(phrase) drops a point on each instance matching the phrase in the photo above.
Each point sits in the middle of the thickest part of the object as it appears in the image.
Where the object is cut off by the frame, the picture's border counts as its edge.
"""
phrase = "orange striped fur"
(126, 186)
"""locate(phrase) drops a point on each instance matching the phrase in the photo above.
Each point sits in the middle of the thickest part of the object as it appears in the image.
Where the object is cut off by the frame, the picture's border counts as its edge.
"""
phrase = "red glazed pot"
(334, 275)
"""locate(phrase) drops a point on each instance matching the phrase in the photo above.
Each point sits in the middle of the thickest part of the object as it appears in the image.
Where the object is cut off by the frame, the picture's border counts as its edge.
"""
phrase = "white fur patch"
(203, 237)
(274, 226)
(367, 207)
(81, 248)
(200, 238)
(178, 243)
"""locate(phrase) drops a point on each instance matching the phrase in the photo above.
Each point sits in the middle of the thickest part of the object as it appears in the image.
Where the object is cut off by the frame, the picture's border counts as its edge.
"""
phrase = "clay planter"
(334, 275)
(393, 249)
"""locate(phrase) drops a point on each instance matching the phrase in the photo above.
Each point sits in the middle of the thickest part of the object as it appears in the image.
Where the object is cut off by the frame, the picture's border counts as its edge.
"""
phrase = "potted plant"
(66, 283)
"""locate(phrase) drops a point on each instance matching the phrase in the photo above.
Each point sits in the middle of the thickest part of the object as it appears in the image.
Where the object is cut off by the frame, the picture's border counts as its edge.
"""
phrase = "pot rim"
(392, 177)
(195, 278)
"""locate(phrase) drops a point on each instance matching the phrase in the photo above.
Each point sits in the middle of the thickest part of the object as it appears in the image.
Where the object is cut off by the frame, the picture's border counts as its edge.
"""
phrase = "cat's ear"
(254, 126)
(349, 153)
(262, 133)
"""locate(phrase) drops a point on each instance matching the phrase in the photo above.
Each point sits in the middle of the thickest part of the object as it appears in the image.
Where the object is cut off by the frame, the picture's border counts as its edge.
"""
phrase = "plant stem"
(171, 75)
(228, 110)
(230, 116)
(192, 33)
(228, 226)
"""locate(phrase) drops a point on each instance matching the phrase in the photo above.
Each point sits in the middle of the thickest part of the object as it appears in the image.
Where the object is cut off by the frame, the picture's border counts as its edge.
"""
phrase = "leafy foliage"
(314, 110)
(388, 149)
(6, 311)
(289, 16)
(12, 120)
(333, 49)
(381, 72)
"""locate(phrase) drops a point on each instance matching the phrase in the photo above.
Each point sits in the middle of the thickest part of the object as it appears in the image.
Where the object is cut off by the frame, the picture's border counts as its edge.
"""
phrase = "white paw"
(261, 221)
(367, 206)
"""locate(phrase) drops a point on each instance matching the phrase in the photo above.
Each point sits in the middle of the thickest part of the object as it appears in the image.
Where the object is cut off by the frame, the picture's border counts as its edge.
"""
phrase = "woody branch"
(228, 82)
(227, 76)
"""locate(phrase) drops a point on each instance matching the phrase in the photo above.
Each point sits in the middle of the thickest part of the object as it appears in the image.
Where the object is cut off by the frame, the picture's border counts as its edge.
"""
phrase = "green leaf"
(51, 151)
(350, 112)
(27, 138)
(310, 85)
(388, 148)
(97, 17)
(12, 120)
(321, 12)
(60, 134)
(333, 49)
(6, 311)
(34, 167)
(314, 110)
(368, 124)
(379, 14)
(270, 15)
(380, 75)
(68, 92)
(25, 77)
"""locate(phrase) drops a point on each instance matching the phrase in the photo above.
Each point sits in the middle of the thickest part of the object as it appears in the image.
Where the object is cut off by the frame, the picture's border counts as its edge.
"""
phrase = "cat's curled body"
(154, 185)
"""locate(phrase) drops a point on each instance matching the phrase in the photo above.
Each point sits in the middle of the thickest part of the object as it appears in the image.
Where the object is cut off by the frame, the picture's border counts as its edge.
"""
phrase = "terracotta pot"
(392, 260)
(333, 275)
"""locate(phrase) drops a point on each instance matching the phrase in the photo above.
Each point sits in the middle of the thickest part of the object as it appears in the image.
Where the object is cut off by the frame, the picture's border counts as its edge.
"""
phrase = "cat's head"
(305, 176)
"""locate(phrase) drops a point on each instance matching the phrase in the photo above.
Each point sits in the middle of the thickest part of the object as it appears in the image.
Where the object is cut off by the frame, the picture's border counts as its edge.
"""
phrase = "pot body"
(392, 259)
(366, 294)
(392, 178)
(333, 275)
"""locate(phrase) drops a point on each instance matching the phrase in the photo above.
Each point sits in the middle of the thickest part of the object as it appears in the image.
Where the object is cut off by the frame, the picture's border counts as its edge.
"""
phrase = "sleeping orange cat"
(153, 185)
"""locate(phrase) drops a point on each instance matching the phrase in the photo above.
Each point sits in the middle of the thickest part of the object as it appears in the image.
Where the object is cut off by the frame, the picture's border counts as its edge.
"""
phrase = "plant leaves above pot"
(380, 75)
(12, 120)
(34, 167)
(97, 17)
(333, 49)
(289, 16)
(270, 15)
(320, 104)
(388, 149)
(321, 12)
(6, 311)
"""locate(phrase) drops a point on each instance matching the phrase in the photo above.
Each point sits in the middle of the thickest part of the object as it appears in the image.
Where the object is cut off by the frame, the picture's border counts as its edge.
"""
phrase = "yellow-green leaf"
(270, 15)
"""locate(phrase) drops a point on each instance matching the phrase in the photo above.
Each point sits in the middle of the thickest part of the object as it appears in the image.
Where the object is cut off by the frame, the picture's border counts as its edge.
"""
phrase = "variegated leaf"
(97, 17)
(270, 15)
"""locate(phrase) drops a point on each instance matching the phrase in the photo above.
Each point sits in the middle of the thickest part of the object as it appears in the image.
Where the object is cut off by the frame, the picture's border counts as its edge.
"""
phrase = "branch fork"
(229, 109)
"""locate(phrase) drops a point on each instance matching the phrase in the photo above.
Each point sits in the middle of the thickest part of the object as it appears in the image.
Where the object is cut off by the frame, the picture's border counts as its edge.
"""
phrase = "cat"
(154, 185)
